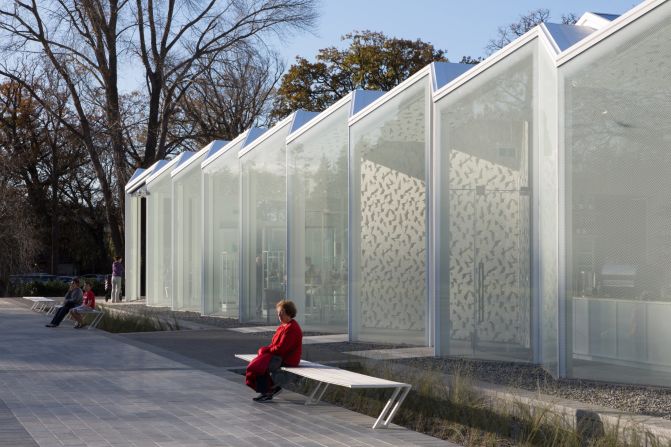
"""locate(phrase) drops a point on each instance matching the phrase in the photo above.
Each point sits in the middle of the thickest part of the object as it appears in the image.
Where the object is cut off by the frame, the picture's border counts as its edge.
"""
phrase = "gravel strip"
(647, 400)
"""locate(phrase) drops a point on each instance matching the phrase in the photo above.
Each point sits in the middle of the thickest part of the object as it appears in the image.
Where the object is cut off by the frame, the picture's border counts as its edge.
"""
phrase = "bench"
(98, 312)
(39, 302)
(330, 375)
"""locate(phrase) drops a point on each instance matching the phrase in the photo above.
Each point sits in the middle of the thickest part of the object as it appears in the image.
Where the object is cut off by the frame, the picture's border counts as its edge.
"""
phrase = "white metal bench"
(39, 302)
(97, 312)
(330, 375)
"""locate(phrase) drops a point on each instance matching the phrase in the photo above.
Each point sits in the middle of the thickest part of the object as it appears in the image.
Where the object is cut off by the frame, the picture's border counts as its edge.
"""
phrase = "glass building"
(317, 174)
(159, 234)
(221, 231)
(187, 230)
(263, 271)
(513, 210)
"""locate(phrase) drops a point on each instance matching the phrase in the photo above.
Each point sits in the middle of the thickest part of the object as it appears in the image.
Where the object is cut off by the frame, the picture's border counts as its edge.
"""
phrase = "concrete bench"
(329, 375)
(39, 302)
(98, 313)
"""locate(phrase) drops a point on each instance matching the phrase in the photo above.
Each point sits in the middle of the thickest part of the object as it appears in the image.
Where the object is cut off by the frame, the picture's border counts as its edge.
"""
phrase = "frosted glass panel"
(317, 170)
(486, 142)
(264, 228)
(548, 181)
(187, 231)
(388, 202)
(617, 134)
(222, 235)
(132, 261)
(159, 242)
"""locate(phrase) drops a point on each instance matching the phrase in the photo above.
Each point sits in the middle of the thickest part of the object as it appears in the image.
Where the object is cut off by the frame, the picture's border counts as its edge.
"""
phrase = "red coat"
(286, 343)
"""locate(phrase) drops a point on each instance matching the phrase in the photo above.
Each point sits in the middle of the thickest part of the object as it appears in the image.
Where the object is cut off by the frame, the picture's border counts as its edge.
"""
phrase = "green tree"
(371, 61)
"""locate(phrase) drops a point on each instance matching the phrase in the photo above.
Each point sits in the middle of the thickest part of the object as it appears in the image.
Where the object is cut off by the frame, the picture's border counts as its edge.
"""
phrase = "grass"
(121, 322)
(456, 411)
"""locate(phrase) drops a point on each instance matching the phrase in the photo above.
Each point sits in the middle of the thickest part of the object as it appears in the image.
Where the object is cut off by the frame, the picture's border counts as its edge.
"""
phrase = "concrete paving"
(66, 387)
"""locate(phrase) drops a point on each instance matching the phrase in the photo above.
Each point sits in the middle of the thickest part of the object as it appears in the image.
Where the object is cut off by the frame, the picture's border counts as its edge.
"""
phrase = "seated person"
(263, 373)
(72, 299)
(88, 305)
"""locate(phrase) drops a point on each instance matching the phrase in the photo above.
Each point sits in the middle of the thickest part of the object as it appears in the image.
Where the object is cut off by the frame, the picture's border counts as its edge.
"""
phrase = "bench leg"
(394, 403)
(319, 392)
(96, 320)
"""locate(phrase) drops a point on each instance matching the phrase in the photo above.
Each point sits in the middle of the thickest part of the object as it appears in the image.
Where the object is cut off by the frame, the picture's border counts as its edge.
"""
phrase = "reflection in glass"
(486, 135)
(222, 234)
(388, 205)
(264, 227)
(317, 170)
(617, 104)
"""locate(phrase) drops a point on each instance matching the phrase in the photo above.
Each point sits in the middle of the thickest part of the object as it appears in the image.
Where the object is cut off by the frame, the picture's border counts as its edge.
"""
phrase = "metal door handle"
(481, 287)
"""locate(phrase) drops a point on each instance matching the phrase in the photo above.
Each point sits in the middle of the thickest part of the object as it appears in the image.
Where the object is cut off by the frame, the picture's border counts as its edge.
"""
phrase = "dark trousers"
(275, 376)
(62, 312)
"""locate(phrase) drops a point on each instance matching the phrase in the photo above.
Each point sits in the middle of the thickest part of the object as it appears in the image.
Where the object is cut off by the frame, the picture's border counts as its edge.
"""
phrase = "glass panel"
(617, 132)
(159, 242)
(132, 249)
(264, 228)
(187, 258)
(486, 139)
(548, 180)
(388, 202)
(222, 234)
(317, 169)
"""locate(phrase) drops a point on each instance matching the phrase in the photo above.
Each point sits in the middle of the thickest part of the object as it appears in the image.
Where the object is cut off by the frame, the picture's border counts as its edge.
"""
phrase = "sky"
(462, 27)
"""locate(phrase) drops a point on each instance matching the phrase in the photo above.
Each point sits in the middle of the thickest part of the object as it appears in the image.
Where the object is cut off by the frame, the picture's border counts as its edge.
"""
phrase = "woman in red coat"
(284, 350)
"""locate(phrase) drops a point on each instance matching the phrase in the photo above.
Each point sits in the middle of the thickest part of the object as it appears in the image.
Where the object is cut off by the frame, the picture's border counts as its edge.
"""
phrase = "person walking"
(117, 274)
(73, 298)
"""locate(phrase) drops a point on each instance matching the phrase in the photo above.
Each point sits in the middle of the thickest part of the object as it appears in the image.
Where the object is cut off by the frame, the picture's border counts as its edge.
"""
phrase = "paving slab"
(66, 387)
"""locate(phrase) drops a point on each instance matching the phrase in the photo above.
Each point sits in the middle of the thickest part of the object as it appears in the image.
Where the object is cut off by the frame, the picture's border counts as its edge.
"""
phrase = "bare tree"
(510, 32)
(84, 40)
(231, 95)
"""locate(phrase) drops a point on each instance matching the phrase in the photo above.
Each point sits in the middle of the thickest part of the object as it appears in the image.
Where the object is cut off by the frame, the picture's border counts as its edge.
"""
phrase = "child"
(88, 305)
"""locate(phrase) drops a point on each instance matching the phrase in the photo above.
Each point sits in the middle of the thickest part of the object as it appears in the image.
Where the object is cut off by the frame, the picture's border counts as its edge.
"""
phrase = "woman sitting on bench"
(263, 373)
(88, 305)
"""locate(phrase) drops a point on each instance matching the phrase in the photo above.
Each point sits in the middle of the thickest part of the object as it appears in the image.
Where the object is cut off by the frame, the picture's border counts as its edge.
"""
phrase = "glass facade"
(617, 134)
(159, 241)
(221, 198)
(317, 191)
(264, 226)
(132, 236)
(543, 175)
(388, 222)
(486, 132)
(187, 236)
(547, 185)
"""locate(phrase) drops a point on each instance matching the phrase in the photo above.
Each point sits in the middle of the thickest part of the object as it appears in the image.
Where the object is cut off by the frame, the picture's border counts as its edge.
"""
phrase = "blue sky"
(462, 27)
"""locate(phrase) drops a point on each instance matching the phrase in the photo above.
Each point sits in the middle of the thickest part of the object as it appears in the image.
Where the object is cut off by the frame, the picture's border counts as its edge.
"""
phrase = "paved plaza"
(66, 387)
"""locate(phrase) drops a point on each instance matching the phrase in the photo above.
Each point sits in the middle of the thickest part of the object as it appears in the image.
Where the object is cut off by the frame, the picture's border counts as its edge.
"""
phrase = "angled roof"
(140, 176)
(565, 36)
(168, 166)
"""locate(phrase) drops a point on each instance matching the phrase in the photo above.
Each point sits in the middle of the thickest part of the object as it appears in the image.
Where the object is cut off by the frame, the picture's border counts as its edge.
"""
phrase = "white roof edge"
(301, 119)
(269, 133)
(136, 178)
(549, 40)
(165, 168)
(487, 63)
(230, 145)
(616, 25)
(593, 20)
(181, 167)
(140, 179)
(388, 96)
(320, 117)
